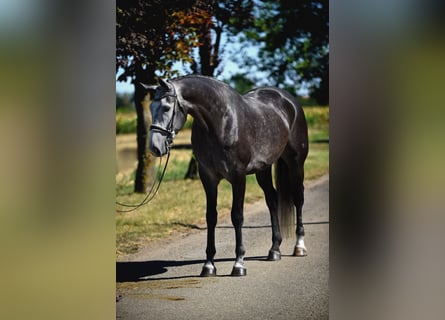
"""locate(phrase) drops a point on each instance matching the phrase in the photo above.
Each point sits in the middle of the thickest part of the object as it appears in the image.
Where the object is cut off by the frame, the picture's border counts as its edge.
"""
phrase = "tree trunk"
(145, 172)
(209, 60)
(192, 172)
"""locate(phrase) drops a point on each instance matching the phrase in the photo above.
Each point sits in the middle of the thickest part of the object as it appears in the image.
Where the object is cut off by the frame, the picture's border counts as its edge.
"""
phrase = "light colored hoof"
(300, 252)
(300, 248)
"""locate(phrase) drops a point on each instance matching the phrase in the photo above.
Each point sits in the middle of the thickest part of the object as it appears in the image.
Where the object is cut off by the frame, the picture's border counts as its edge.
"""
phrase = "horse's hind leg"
(298, 196)
(211, 189)
(264, 179)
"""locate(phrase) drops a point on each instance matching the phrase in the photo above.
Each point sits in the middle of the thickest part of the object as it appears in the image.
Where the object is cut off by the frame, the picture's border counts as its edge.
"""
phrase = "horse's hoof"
(300, 252)
(274, 255)
(208, 273)
(208, 270)
(239, 270)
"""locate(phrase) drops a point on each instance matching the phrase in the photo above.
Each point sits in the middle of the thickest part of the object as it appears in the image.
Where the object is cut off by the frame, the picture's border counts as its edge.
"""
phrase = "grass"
(125, 122)
(179, 205)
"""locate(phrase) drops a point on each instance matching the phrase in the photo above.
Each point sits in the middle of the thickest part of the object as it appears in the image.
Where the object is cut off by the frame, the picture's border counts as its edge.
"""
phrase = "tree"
(229, 17)
(150, 37)
(294, 43)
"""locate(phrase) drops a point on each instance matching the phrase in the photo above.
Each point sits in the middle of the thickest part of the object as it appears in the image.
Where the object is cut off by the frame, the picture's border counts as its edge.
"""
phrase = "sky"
(231, 52)
(230, 69)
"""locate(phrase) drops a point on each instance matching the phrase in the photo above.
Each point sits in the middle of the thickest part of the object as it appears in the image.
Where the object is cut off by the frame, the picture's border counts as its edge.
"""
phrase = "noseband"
(169, 131)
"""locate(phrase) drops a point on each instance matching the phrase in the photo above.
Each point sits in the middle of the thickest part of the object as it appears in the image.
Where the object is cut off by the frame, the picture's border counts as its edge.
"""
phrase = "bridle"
(169, 131)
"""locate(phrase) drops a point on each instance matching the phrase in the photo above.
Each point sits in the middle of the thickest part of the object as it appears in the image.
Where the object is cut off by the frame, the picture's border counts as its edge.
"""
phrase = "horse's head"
(168, 117)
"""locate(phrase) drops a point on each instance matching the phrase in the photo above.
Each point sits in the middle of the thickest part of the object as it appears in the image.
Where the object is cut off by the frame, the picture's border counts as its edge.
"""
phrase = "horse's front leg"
(211, 189)
(238, 191)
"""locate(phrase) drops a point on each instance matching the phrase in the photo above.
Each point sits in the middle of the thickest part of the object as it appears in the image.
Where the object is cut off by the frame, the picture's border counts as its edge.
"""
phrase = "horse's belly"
(257, 166)
(263, 155)
(248, 157)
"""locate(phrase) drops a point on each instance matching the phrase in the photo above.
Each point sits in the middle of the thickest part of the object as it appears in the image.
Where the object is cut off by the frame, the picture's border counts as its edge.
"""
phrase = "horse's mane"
(214, 81)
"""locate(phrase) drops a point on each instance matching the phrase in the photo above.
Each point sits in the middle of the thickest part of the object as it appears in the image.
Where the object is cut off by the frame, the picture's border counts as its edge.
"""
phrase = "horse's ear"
(148, 87)
(163, 83)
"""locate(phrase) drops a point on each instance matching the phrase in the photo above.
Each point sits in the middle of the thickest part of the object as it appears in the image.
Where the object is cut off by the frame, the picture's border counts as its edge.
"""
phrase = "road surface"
(161, 281)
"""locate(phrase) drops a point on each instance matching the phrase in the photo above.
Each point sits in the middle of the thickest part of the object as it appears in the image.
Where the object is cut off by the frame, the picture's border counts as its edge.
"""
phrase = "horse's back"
(275, 98)
(278, 99)
(285, 104)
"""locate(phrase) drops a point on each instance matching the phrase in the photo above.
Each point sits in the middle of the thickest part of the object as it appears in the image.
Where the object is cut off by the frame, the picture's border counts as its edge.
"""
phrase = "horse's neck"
(196, 100)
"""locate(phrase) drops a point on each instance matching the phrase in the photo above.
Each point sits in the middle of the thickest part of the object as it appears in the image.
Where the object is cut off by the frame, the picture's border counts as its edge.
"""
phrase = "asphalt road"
(161, 281)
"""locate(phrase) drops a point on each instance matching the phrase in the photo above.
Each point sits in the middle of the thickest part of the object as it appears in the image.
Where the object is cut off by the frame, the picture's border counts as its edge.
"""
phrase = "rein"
(153, 191)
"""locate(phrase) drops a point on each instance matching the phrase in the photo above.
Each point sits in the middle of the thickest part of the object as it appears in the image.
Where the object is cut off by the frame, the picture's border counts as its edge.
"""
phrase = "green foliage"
(306, 101)
(294, 44)
(150, 36)
(125, 122)
(227, 18)
(317, 117)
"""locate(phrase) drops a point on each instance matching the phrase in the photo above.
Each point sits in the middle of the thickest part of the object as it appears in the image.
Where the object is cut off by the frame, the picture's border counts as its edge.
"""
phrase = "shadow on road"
(266, 226)
(142, 270)
(138, 271)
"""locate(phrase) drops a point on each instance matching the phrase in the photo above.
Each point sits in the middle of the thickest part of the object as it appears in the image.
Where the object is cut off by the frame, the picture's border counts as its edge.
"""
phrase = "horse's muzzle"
(159, 144)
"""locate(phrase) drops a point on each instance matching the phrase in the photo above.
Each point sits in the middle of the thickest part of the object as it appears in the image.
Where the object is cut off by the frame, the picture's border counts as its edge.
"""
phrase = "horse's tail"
(286, 207)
